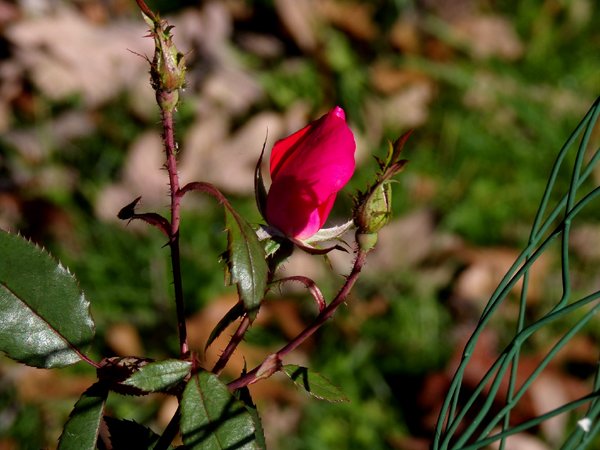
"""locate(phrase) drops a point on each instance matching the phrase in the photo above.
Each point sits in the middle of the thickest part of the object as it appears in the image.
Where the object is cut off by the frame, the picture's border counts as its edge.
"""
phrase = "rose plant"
(54, 325)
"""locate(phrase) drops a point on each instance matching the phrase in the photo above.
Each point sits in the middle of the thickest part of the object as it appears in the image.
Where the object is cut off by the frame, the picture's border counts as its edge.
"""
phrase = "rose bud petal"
(308, 169)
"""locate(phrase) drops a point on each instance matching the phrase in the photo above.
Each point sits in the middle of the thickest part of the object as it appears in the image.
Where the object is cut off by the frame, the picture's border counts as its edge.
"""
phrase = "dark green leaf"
(260, 192)
(81, 430)
(247, 262)
(314, 383)
(44, 315)
(212, 418)
(244, 396)
(127, 434)
(245, 255)
(128, 211)
(232, 315)
(160, 375)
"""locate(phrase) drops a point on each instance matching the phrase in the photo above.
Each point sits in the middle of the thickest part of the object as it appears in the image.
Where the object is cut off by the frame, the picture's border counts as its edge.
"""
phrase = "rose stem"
(142, 5)
(170, 432)
(325, 315)
(233, 343)
(171, 164)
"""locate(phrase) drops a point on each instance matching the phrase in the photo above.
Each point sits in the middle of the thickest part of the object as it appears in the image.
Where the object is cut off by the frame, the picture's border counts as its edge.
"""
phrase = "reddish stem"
(171, 165)
(233, 343)
(85, 358)
(308, 284)
(325, 315)
(142, 5)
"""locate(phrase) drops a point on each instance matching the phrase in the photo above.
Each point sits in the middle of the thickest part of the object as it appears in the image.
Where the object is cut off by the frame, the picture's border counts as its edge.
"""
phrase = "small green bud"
(168, 65)
(167, 68)
(374, 212)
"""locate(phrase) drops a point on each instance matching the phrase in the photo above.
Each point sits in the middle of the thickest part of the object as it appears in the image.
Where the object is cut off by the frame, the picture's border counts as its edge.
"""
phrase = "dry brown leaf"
(124, 340)
(8, 13)
(486, 36)
(141, 176)
(67, 55)
(547, 393)
(10, 211)
(265, 46)
(450, 9)
(34, 384)
(406, 108)
(409, 443)
(307, 265)
(210, 154)
(485, 269)
(404, 35)
(229, 163)
(585, 242)
(200, 325)
(387, 79)
(8, 444)
(354, 18)
(522, 441)
(231, 88)
(403, 243)
(301, 19)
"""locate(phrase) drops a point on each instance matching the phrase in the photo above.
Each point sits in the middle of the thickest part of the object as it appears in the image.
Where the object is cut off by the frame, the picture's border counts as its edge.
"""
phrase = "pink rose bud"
(308, 169)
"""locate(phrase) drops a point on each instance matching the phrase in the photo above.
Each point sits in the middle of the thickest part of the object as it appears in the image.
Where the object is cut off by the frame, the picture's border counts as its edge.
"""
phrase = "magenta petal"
(308, 169)
(281, 149)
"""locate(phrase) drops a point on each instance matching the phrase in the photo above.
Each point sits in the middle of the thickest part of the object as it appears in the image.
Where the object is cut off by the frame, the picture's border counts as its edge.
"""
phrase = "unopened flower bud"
(374, 211)
(308, 169)
(167, 68)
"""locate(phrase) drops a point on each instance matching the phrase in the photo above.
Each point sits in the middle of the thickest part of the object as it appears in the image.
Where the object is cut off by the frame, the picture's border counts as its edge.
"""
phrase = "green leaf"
(232, 315)
(314, 383)
(244, 396)
(212, 418)
(129, 434)
(245, 255)
(260, 192)
(81, 430)
(247, 261)
(44, 315)
(159, 376)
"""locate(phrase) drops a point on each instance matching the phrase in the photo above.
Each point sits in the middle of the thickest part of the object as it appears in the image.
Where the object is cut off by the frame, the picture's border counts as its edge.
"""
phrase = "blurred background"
(492, 90)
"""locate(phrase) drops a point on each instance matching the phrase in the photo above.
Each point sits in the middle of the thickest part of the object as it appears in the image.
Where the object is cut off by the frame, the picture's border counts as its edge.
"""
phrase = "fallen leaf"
(67, 55)
(301, 20)
(124, 340)
(489, 36)
(355, 18)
